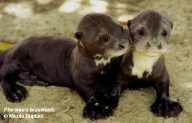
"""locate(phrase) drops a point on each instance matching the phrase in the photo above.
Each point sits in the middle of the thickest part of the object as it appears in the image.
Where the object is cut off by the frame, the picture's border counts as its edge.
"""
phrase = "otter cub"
(144, 64)
(61, 62)
(99, 41)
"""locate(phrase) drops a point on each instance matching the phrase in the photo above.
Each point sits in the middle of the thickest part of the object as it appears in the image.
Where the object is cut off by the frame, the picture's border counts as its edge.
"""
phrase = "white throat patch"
(100, 60)
(104, 60)
(143, 62)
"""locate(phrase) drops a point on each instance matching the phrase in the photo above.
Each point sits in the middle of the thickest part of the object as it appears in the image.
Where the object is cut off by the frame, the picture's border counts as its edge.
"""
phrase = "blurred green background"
(20, 19)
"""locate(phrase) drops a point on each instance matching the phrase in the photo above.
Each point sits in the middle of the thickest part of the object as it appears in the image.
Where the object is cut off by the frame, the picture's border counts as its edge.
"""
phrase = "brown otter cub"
(99, 41)
(144, 65)
(61, 62)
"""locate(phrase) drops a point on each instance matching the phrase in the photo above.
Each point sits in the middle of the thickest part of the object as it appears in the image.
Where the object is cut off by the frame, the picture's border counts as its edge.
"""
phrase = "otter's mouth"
(152, 49)
(109, 54)
(150, 53)
(115, 53)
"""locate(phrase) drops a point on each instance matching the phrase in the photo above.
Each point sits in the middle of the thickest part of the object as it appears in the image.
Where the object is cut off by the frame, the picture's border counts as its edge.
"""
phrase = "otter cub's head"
(100, 37)
(150, 32)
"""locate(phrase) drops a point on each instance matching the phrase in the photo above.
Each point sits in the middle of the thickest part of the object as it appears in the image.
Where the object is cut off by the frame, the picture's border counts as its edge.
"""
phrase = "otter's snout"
(154, 43)
(123, 44)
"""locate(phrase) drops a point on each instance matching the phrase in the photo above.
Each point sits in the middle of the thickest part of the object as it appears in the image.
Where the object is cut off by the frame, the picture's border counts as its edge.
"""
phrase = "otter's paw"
(96, 110)
(166, 108)
(16, 93)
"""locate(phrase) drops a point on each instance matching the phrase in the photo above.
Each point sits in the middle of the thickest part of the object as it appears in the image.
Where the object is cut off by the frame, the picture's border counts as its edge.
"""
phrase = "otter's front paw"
(166, 108)
(16, 93)
(96, 110)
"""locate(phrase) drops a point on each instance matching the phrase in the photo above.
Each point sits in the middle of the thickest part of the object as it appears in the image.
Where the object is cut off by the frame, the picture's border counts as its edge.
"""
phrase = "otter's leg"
(12, 91)
(163, 105)
(27, 78)
(84, 89)
(104, 101)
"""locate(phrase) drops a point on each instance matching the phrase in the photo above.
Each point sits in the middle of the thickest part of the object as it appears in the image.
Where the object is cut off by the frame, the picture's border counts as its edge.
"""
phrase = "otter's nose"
(121, 46)
(158, 45)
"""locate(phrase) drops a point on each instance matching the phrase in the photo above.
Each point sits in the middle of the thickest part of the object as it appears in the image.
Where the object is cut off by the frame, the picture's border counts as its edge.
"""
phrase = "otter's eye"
(141, 32)
(105, 38)
(164, 33)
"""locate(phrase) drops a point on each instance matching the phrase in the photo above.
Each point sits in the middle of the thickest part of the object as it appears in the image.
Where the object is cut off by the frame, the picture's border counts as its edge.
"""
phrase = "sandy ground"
(134, 105)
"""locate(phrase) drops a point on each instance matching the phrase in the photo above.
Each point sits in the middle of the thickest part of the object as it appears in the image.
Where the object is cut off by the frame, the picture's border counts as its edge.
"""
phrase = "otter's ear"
(78, 35)
(129, 23)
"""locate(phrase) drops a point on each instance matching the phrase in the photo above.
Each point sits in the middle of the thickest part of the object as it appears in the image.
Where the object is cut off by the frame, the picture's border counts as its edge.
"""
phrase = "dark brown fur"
(62, 62)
